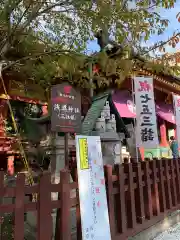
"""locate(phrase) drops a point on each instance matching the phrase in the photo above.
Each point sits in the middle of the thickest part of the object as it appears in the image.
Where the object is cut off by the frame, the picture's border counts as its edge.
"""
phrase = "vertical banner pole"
(91, 79)
(176, 120)
(134, 120)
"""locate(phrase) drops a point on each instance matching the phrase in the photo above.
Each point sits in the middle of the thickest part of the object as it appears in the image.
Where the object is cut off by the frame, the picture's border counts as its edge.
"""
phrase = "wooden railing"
(139, 195)
(42, 208)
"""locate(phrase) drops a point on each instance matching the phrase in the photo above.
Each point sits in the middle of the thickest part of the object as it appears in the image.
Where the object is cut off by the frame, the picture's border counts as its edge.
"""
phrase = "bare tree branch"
(55, 52)
(161, 44)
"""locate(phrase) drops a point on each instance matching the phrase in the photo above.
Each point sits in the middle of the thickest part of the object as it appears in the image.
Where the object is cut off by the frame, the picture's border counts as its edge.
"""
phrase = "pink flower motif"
(144, 86)
(97, 190)
(102, 181)
(67, 89)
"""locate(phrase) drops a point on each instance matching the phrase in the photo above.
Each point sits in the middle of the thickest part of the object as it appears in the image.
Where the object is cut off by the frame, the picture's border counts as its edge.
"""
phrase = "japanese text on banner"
(146, 125)
(84, 164)
(92, 192)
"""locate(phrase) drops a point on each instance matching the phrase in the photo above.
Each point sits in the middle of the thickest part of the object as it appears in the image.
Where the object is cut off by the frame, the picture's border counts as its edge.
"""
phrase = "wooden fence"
(139, 195)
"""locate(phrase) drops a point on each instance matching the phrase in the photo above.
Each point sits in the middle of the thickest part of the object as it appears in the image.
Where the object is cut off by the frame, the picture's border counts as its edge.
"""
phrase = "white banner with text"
(92, 191)
(146, 124)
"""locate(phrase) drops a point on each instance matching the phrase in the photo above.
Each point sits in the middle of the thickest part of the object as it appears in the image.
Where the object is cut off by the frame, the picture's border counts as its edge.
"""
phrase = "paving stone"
(172, 233)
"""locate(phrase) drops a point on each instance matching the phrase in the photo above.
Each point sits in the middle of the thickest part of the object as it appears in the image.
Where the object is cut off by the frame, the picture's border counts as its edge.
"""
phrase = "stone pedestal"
(111, 152)
(111, 147)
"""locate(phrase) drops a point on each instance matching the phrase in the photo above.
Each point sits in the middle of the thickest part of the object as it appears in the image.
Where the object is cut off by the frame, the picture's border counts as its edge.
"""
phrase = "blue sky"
(174, 26)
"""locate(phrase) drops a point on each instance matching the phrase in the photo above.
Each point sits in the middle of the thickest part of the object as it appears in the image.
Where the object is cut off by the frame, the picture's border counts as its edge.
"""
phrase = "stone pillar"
(117, 150)
(163, 135)
(108, 153)
(57, 164)
(10, 165)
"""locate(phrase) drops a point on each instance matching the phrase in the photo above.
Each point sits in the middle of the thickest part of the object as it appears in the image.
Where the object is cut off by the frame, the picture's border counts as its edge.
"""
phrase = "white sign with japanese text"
(176, 100)
(92, 192)
(146, 124)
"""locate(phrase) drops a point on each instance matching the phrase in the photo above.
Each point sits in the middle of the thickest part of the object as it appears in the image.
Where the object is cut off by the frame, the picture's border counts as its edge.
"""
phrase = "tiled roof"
(93, 113)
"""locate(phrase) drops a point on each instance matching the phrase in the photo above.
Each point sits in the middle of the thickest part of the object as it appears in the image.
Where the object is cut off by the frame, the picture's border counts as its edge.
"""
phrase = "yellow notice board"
(83, 150)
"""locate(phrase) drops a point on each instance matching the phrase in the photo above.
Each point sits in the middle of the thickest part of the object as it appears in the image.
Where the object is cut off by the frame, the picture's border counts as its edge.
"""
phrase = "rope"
(30, 177)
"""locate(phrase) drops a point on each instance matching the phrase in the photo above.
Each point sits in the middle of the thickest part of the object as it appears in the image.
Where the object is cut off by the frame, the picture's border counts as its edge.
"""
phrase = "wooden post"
(63, 227)
(131, 207)
(1, 202)
(147, 191)
(140, 204)
(155, 193)
(78, 211)
(167, 184)
(110, 198)
(173, 182)
(162, 199)
(19, 208)
(66, 150)
(121, 201)
(177, 179)
(45, 230)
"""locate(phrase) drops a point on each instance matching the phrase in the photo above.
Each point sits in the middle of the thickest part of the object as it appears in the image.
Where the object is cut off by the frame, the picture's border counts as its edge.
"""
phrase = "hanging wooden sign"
(66, 109)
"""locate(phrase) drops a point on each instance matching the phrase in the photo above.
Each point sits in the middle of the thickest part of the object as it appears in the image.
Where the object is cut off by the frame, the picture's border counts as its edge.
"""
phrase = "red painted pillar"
(141, 149)
(163, 134)
(10, 167)
(3, 115)
(45, 109)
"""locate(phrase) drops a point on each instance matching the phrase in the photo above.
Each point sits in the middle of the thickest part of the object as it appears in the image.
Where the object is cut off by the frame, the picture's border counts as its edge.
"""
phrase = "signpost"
(66, 118)
(65, 112)
(92, 193)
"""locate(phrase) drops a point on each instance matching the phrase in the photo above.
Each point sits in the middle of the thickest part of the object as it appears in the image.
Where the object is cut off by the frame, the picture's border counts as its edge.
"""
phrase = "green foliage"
(46, 40)
(28, 129)
(7, 229)
(31, 130)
